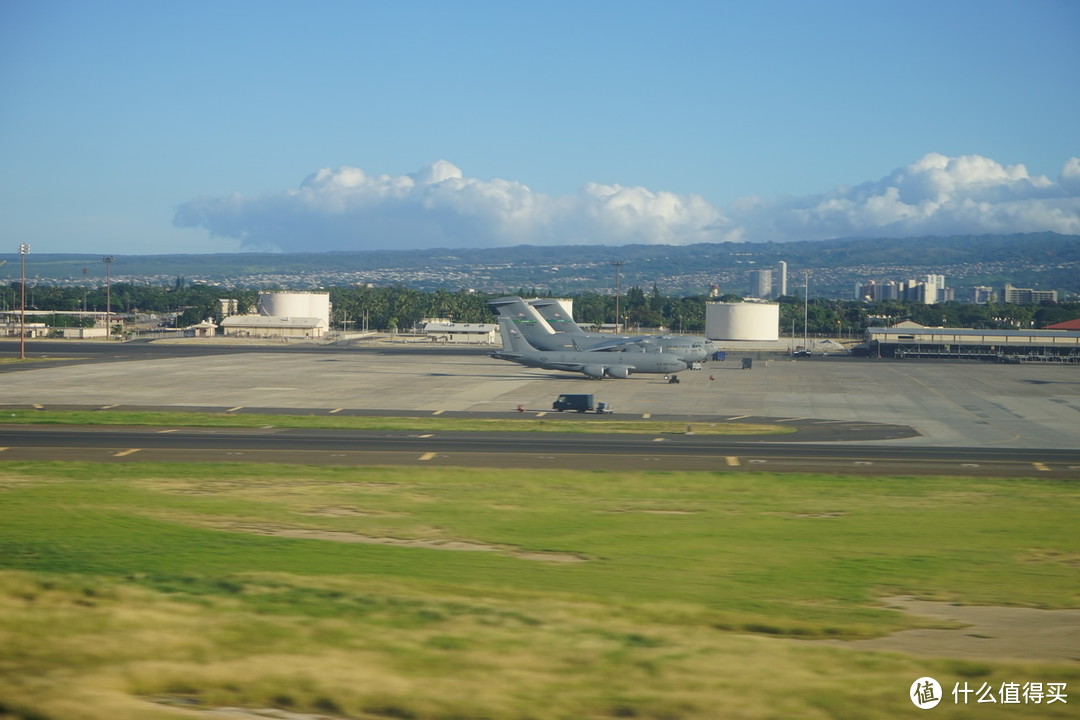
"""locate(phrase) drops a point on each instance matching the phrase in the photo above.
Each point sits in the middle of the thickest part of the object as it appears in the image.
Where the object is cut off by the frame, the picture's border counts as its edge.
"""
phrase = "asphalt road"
(516, 450)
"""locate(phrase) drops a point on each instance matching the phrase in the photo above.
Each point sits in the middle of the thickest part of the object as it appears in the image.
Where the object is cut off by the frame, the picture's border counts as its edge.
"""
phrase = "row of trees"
(400, 308)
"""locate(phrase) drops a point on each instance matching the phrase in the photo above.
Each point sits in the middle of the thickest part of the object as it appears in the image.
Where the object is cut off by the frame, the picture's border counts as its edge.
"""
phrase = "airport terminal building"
(1013, 346)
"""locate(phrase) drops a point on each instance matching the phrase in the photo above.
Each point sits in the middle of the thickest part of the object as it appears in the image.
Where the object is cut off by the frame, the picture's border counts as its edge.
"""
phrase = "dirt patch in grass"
(989, 633)
(426, 543)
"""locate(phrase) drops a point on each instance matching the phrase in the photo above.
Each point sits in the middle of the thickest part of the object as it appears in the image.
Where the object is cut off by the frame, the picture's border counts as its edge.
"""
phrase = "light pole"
(24, 250)
(806, 307)
(618, 291)
(108, 260)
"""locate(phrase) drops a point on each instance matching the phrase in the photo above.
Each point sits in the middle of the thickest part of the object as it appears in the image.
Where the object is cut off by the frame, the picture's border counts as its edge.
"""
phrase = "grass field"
(157, 590)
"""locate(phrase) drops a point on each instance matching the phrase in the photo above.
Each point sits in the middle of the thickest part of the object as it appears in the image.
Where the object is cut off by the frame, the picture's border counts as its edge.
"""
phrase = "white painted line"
(162, 432)
(107, 407)
(788, 420)
(122, 453)
(424, 436)
(438, 412)
(732, 461)
(646, 416)
(737, 417)
(238, 407)
(38, 407)
(659, 439)
(427, 456)
(335, 410)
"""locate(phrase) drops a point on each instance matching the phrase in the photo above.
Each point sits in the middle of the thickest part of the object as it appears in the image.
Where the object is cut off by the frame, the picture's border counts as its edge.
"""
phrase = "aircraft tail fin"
(512, 339)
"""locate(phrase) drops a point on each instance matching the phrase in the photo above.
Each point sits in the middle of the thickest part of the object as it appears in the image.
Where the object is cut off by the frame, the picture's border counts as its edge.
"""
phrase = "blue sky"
(151, 127)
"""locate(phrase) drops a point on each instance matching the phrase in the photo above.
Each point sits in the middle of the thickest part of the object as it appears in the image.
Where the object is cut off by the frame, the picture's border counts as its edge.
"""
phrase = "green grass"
(691, 592)
(554, 423)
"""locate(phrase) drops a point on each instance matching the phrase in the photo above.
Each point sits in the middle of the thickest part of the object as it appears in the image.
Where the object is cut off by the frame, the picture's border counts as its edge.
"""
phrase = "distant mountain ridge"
(1044, 260)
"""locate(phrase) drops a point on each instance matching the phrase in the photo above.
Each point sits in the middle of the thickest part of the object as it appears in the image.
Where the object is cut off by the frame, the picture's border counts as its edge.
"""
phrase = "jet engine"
(619, 372)
(594, 371)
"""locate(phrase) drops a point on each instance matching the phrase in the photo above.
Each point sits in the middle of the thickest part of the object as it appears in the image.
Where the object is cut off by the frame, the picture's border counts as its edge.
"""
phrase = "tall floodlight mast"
(24, 250)
(108, 260)
(618, 291)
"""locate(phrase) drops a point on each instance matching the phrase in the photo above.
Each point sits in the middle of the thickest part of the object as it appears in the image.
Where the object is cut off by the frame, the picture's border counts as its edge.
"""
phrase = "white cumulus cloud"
(348, 209)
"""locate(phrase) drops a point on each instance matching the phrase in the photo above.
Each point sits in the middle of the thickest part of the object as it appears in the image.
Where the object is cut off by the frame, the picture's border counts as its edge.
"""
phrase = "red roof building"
(1067, 325)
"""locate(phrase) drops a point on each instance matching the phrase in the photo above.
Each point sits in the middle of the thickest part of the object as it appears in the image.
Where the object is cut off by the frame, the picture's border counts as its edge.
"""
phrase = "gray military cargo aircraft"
(594, 364)
(547, 327)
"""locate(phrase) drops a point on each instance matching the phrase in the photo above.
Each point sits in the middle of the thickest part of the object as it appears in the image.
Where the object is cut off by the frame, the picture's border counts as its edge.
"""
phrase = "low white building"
(261, 326)
(469, 333)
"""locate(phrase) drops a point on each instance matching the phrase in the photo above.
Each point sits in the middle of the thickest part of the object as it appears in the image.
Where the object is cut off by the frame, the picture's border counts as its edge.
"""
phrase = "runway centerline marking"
(122, 453)
(732, 461)
(427, 456)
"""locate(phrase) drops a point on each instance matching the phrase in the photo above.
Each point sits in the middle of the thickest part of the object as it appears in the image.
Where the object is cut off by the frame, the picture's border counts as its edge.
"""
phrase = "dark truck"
(581, 404)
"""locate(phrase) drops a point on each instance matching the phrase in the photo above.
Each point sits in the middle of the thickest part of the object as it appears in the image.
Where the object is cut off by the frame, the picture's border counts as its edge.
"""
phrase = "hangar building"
(1059, 346)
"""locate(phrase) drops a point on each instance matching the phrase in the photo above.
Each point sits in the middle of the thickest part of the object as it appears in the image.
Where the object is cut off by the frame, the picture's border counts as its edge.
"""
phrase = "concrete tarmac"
(950, 403)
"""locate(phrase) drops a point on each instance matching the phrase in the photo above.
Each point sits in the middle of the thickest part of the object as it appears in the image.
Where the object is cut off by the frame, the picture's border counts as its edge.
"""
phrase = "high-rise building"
(1025, 296)
(760, 283)
(781, 289)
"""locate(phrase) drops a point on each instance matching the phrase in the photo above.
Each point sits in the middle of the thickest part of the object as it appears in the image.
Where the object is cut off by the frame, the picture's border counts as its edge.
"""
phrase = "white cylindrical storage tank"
(743, 321)
(296, 305)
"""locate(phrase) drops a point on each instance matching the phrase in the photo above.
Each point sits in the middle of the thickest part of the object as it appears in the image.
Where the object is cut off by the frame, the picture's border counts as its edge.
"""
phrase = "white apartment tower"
(781, 285)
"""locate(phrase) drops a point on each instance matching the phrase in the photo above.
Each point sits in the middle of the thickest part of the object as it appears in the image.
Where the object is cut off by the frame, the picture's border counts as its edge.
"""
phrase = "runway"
(861, 415)
(516, 450)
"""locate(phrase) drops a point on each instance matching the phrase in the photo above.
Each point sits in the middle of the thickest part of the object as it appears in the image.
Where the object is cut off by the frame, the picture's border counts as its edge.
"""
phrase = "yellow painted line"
(238, 407)
(438, 412)
(659, 439)
(335, 410)
(3, 449)
(737, 417)
(646, 416)
(427, 456)
(541, 414)
(1041, 467)
(788, 420)
(38, 407)
(424, 436)
(107, 407)
(162, 432)
(732, 461)
(122, 453)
